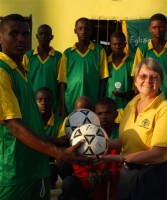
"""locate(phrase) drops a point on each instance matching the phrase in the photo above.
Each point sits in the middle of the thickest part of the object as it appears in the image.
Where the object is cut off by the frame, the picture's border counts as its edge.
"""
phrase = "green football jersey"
(121, 74)
(52, 130)
(147, 50)
(43, 73)
(83, 73)
(18, 162)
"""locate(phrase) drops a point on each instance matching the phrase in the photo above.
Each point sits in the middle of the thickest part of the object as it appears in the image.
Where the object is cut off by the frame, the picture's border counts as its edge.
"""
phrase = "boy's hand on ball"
(71, 155)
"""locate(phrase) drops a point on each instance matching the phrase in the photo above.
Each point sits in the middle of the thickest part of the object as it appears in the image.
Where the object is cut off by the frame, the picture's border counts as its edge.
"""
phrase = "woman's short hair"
(151, 64)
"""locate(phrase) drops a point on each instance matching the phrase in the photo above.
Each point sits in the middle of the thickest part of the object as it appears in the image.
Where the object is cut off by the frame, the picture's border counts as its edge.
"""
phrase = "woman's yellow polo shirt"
(147, 130)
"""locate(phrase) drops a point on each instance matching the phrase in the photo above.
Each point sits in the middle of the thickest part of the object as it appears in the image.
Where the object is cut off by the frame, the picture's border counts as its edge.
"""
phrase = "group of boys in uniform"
(82, 70)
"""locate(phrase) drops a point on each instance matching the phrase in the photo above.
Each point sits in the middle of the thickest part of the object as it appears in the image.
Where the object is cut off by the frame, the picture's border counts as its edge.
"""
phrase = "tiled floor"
(57, 191)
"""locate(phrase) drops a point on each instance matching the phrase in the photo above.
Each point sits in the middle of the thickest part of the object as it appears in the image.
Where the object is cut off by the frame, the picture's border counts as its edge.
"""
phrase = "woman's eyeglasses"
(153, 77)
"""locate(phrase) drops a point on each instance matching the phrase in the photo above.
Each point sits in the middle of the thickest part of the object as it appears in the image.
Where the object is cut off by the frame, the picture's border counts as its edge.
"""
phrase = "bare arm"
(153, 156)
(31, 139)
(115, 144)
(34, 141)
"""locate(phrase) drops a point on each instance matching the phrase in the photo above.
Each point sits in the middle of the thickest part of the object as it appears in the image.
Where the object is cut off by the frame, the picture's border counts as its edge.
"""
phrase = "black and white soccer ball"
(79, 117)
(96, 140)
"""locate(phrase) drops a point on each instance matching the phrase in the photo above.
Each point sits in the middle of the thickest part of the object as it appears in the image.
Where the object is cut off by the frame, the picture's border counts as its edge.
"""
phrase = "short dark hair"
(12, 17)
(118, 34)
(158, 16)
(45, 89)
(45, 26)
(107, 101)
(84, 19)
(86, 101)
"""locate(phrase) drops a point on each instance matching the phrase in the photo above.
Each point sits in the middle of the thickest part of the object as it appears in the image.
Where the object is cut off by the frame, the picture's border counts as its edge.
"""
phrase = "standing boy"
(43, 63)
(83, 69)
(24, 172)
(156, 48)
(120, 67)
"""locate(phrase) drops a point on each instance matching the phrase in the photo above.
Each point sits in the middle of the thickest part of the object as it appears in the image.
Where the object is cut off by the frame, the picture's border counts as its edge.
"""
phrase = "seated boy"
(109, 121)
(54, 131)
(94, 182)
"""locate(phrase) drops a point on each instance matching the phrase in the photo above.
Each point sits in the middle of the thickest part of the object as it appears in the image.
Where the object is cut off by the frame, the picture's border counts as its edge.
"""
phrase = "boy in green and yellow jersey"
(156, 48)
(24, 169)
(120, 67)
(54, 130)
(43, 63)
(83, 69)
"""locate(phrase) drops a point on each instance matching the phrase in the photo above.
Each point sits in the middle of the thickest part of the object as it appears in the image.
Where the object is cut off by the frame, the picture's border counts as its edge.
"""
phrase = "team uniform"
(54, 127)
(82, 73)
(19, 165)
(43, 73)
(147, 50)
(122, 74)
(142, 133)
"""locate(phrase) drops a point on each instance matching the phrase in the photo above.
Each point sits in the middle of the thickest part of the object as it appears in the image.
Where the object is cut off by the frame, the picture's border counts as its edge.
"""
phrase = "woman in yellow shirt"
(143, 138)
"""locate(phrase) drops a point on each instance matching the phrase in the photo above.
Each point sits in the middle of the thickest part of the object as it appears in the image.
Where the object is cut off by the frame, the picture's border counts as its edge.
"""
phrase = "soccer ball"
(79, 117)
(96, 140)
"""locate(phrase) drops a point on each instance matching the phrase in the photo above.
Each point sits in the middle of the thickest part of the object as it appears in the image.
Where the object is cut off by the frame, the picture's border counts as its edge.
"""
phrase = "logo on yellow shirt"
(145, 122)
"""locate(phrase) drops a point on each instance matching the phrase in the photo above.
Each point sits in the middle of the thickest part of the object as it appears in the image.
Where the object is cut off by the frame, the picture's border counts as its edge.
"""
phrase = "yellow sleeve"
(9, 106)
(61, 131)
(138, 58)
(103, 65)
(62, 70)
(119, 116)
(25, 61)
(159, 133)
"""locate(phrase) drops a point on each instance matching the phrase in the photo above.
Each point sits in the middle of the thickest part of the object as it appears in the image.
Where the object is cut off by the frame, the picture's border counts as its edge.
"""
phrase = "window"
(102, 30)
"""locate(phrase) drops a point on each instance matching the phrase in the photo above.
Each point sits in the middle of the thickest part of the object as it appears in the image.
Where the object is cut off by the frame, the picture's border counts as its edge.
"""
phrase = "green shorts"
(36, 190)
